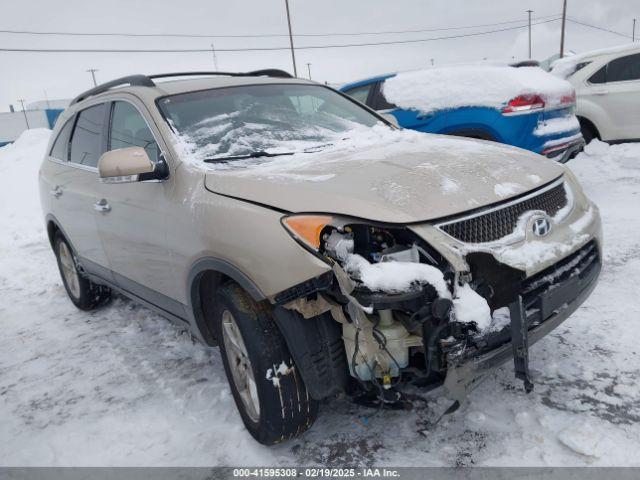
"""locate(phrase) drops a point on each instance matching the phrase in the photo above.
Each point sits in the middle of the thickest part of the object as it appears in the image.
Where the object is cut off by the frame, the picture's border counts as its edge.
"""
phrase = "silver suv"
(323, 249)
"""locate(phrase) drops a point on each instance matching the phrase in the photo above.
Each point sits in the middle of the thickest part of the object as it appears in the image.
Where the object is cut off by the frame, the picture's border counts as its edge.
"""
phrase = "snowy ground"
(122, 386)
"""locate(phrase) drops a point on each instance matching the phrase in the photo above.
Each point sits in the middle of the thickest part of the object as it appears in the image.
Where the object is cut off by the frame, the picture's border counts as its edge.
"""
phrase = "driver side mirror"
(131, 164)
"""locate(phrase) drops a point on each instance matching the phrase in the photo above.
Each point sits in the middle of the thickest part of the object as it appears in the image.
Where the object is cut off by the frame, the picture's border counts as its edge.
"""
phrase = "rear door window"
(87, 139)
(624, 69)
(130, 129)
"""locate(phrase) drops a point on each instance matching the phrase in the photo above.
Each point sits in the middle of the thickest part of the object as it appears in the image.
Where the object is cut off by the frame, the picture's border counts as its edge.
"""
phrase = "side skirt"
(170, 309)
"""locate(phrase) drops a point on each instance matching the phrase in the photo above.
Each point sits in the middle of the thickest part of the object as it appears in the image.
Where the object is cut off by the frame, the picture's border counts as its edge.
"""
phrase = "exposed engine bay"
(404, 311)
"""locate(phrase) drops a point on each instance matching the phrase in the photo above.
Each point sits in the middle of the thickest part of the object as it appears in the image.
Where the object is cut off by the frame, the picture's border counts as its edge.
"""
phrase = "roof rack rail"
(147, 80)
(137, 80)
(269, 72)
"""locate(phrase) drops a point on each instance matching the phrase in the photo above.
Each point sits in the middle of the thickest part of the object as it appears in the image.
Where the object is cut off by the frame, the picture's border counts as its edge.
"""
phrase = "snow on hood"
(387, 175)
(471, 85)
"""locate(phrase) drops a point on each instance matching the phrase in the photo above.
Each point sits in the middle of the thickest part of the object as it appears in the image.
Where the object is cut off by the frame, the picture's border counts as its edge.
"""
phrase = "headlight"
(307, 229)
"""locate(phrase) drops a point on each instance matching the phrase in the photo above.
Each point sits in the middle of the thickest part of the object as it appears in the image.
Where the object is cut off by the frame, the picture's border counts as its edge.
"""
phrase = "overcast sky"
(63, 75)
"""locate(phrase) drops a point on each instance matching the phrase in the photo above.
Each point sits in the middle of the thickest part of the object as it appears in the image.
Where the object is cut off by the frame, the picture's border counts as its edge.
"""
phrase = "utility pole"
(529, 12)
(46, 97)
(633, 35)
(564, 22)
(293, 55)
(309, 70)
(215, 59)
(24, 113)
(93, 71)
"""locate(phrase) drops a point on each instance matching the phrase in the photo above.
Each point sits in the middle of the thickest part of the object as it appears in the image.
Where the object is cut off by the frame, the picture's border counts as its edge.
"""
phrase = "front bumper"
(545, 308)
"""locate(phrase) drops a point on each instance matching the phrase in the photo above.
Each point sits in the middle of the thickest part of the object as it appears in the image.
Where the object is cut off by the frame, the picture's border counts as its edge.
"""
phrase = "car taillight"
(524, 104)
(568, 99)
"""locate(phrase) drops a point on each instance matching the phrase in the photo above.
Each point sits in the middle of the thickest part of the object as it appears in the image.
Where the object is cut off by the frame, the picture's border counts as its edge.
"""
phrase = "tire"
(588, 131)
(84, 294)
(270, 394)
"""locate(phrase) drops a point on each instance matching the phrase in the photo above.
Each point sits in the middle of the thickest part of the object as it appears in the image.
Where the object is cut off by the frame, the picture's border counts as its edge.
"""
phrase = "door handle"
(102, 206)
(600, 92)
(56, 191)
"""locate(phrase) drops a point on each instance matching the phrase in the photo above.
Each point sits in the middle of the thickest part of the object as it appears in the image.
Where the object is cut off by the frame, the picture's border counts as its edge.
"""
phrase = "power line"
(258, 49)
(262, 35)
(598, 28)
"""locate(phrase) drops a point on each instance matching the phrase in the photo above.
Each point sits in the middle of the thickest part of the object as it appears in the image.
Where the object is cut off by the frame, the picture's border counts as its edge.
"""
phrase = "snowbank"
(471, 85)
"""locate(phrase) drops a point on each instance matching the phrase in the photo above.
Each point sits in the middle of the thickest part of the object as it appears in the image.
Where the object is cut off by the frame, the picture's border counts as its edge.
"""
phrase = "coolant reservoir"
(371, 358)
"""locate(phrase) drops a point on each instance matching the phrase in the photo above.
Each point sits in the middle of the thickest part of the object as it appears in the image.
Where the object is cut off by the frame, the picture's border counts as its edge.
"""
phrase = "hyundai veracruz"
(322, 249)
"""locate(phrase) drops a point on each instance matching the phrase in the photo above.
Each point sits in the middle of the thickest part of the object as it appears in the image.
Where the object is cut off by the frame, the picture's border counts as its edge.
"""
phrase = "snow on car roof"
(471, 85)
(564, 67)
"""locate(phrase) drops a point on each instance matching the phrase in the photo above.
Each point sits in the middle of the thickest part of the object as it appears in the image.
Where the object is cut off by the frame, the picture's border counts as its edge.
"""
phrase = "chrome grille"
(500, 222)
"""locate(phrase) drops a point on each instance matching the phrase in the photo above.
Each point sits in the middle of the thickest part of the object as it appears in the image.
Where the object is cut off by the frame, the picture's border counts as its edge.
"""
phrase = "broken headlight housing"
(335, 238)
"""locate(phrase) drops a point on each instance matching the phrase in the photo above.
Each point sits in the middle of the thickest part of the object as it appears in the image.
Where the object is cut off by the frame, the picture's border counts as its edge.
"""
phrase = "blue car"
(524, 120)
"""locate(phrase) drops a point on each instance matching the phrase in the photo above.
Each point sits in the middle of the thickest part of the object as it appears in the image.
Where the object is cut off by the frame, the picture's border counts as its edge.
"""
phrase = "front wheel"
(269, 392)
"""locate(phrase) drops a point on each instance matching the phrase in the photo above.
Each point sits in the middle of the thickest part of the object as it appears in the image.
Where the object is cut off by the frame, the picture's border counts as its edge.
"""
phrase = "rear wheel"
(269, 392)
(84, 294)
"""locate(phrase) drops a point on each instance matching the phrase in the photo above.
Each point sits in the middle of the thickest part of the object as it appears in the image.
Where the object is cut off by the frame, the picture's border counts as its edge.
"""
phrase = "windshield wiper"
(256, 154)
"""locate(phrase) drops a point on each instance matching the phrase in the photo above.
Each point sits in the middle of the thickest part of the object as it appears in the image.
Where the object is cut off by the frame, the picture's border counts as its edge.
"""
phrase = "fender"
(197, 314)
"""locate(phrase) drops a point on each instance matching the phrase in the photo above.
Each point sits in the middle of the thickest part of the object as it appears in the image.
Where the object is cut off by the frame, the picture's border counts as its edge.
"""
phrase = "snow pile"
(395, 277)
(471, 85)
(470, 307)
(586, 440)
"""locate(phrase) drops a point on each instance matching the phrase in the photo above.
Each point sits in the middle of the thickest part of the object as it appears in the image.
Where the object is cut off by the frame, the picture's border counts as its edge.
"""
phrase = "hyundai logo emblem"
(541, 227)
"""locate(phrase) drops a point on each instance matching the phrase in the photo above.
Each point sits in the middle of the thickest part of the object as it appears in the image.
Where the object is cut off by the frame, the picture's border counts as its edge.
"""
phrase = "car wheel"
(84, 294)
(268, 390)
(588, 132)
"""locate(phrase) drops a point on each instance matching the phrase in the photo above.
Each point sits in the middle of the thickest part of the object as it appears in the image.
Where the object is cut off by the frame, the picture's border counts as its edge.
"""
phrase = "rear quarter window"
(59, 151)
(600, 76)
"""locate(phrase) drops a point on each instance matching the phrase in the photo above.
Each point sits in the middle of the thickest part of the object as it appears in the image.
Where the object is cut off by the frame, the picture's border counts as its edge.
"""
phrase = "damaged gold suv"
(323, 249)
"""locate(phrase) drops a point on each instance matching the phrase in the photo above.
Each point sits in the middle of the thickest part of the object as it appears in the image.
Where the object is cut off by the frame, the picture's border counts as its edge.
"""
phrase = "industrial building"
(41, 114)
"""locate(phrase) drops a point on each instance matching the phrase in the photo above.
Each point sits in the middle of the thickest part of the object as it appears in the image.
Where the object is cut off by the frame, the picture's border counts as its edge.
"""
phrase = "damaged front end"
(415, 305)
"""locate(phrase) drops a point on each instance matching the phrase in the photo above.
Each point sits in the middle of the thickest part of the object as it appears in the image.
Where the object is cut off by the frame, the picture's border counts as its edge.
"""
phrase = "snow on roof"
(564, 67)
(471, 85)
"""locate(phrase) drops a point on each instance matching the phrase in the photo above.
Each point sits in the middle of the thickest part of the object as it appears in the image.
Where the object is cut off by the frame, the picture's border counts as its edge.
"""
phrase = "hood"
(421, 177)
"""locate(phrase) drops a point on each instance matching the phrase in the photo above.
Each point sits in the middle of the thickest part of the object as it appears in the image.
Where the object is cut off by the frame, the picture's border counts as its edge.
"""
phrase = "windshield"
(273, 118)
